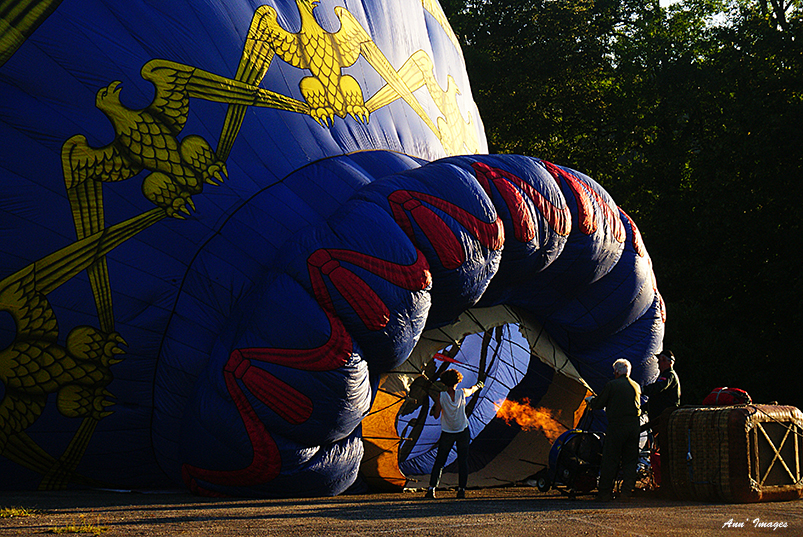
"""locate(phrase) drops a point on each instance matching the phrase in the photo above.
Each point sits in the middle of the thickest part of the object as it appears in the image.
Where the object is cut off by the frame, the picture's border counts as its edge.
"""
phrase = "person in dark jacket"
(664, 396)
(621, 399)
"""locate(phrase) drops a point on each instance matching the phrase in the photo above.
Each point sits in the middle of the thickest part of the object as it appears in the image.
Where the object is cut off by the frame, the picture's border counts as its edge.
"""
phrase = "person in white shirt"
(450, 406)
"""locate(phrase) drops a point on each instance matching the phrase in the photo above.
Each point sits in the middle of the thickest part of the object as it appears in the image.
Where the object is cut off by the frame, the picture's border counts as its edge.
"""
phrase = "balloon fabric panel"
(225, 223)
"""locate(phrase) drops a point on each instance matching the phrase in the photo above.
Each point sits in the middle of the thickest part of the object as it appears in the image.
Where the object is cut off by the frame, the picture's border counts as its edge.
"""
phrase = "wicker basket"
(742, 454)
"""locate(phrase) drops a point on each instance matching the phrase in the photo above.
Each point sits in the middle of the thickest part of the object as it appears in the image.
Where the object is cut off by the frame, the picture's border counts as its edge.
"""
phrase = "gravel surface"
(507, 512)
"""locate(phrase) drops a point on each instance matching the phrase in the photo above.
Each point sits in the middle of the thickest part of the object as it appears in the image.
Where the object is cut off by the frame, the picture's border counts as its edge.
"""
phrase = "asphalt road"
(506, 512)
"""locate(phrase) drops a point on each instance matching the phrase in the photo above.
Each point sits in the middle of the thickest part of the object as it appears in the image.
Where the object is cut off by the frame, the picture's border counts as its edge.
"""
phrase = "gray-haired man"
(621, 400)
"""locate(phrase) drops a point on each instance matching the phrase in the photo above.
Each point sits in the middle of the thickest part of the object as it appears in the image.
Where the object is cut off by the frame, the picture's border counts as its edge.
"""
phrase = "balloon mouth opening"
(494, 345)
(516, 328)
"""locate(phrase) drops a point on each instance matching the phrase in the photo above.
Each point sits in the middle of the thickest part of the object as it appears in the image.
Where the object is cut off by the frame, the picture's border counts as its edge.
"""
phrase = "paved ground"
(507, 512)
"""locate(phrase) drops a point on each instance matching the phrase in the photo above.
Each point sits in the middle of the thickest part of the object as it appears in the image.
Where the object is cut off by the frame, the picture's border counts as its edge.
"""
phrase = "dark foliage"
(691, 117)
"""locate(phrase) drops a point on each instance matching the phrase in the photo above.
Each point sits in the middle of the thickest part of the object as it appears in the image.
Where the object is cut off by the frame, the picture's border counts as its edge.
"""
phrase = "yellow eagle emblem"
(328, 92)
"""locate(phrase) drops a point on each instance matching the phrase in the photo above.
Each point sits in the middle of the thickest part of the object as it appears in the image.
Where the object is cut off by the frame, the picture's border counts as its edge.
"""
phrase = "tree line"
(691, 117)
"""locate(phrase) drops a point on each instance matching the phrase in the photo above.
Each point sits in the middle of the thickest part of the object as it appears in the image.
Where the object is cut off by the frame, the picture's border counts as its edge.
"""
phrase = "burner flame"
(528, 418)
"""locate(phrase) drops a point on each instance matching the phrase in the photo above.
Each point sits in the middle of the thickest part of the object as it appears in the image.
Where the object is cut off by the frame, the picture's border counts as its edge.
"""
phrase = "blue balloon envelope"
(232, 232)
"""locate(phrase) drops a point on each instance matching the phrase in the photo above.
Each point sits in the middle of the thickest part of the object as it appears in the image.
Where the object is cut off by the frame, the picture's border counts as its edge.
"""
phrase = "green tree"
(535, 69)
(690, 117)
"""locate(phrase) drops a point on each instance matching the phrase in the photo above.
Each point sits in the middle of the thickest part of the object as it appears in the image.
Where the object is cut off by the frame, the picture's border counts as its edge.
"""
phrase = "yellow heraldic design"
(147, 139)
(458, 136)
(328, 91)
(435, 9)
(18, 20)
(35, 365)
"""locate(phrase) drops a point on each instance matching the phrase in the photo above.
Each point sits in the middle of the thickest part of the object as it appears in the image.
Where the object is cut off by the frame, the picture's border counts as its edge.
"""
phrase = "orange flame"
(529, 418)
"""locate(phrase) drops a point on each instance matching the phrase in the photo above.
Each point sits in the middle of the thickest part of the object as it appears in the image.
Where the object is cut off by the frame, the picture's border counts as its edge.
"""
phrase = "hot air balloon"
(240, 238)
